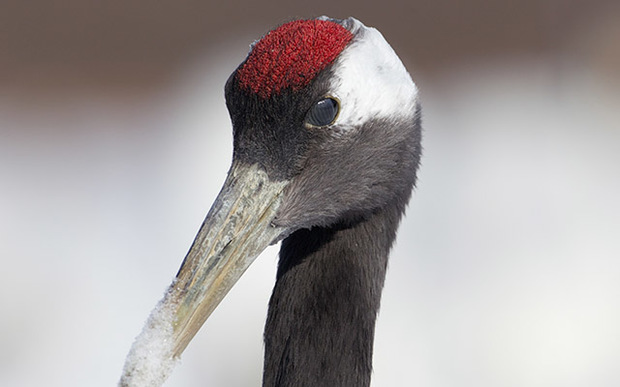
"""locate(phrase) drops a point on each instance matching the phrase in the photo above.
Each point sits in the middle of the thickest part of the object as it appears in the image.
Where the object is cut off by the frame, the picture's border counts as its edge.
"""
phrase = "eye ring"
(324, 112)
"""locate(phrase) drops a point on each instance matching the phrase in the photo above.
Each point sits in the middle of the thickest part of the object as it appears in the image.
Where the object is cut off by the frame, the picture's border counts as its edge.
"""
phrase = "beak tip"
(152, 357)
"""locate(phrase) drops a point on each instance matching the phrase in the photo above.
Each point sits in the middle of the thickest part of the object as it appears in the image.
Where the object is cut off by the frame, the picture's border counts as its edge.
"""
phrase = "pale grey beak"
(236, 230)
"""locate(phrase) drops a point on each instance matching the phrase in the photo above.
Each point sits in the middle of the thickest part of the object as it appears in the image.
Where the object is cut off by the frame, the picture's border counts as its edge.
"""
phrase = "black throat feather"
(321, 320)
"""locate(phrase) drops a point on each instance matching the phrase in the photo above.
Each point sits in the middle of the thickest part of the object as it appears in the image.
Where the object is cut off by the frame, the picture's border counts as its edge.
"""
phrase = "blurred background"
(114, 141)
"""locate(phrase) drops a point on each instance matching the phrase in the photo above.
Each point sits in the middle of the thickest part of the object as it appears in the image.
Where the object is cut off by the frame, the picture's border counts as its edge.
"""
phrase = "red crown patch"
(291, 55)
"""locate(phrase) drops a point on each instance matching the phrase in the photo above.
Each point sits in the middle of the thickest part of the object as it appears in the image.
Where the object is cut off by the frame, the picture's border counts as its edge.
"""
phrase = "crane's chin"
(236, 230)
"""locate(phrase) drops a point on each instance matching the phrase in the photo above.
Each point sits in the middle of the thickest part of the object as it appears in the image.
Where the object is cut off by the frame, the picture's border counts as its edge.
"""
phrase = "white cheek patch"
(370, 80)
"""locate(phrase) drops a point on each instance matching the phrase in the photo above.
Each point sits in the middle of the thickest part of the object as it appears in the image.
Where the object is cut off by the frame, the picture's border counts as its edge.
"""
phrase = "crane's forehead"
(291, 55)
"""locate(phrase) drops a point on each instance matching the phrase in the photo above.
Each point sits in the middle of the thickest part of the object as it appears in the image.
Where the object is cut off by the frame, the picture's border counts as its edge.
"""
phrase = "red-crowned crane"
(326, 128)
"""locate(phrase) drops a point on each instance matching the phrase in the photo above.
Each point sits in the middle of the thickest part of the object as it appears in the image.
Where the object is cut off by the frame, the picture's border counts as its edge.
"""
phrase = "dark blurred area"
(139, 44)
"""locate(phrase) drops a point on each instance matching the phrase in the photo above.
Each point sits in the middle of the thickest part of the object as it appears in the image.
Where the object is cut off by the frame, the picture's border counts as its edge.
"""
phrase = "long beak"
(237, 228)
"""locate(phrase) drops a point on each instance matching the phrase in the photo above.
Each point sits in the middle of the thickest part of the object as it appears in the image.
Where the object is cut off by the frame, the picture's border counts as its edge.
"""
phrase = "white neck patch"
(370, 80)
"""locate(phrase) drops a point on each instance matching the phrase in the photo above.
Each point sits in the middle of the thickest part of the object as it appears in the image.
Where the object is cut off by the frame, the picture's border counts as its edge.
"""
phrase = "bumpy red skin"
(291, 55)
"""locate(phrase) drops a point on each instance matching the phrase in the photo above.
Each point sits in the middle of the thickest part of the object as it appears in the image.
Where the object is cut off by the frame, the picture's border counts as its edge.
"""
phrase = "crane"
(326, 147)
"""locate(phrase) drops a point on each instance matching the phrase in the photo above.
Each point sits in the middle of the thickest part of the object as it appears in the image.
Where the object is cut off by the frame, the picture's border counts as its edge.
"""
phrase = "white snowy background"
(506, 270)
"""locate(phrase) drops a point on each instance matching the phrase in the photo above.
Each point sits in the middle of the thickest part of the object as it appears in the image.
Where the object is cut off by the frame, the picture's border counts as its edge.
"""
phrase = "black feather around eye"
(324, 112)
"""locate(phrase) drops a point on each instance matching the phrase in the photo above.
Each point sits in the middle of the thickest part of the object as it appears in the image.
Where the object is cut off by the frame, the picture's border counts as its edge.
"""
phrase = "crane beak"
(236, 230)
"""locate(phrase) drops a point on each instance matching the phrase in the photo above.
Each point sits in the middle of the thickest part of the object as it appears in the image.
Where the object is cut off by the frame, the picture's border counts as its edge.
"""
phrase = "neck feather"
(321, 319)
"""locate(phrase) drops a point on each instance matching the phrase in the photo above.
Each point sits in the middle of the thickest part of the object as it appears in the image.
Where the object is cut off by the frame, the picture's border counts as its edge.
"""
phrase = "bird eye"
(324, 112)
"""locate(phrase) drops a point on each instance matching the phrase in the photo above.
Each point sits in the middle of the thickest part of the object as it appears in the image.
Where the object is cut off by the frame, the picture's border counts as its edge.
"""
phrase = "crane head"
(326, 129)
